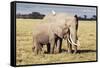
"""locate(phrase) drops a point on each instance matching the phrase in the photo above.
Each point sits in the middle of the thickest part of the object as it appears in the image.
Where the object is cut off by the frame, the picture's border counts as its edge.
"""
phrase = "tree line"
(33, 15)
(37, 15)
(94, 17)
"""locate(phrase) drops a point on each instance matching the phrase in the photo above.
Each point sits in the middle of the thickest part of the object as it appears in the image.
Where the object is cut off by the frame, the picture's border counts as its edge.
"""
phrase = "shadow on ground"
(80, 51)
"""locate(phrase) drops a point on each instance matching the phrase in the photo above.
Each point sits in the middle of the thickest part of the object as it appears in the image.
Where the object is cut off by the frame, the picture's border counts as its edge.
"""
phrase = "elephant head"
(72, 36)
(74, 30)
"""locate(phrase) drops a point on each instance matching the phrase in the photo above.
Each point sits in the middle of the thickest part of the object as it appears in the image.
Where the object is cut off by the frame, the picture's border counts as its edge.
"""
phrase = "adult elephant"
(48, 34)
(72, 23)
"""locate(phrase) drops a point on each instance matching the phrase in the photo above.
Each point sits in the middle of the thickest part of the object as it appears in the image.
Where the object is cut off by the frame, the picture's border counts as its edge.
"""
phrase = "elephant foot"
(35, 54)
(33, 48)
(74, 52)
(56, 52)
(47, 52)
(42, 55)
(70, 51)
(75, 49)
(51, 52)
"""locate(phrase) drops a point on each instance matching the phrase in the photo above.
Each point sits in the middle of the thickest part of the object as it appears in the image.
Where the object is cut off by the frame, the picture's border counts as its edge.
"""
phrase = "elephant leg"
(35, 47)
(52, 46)
(59, 44)
(69, 46)
(75, 48)
(48, 48)
(36, 50)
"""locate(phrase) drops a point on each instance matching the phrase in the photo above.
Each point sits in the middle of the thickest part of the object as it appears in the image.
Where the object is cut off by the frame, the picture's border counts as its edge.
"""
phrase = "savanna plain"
(25, 55)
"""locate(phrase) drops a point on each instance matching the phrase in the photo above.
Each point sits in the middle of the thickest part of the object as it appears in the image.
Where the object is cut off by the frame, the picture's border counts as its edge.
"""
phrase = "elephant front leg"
(69, 46)
(59, 43)
(52, 46)
(75, 49)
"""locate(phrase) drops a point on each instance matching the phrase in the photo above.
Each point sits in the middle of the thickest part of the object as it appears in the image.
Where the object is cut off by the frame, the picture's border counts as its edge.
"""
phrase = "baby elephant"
(48, 34)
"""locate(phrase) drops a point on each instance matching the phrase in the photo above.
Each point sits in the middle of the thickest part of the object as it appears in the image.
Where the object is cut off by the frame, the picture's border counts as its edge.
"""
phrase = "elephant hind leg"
(37, 48)
(48, 48)
(33, 48)
(40, 49)
(52, 46)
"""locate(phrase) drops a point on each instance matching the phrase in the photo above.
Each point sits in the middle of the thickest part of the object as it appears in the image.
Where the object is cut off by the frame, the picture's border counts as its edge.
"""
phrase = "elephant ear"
(58, 31)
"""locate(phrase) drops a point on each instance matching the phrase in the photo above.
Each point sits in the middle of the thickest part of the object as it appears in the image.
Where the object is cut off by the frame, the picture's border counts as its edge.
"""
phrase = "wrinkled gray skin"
(72, 23)
(48, 34)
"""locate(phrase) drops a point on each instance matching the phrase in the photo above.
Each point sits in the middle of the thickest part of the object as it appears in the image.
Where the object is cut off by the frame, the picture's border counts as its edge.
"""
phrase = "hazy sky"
(26, 8)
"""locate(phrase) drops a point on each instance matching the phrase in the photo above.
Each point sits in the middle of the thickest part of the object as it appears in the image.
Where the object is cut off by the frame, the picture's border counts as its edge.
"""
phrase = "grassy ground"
(87, 48)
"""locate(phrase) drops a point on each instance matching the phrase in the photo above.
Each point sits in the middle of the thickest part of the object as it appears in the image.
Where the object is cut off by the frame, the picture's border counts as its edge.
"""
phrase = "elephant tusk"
(71, 41)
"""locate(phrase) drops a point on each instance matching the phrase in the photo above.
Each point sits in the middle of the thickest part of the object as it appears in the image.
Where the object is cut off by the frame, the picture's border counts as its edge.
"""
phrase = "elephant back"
(59, 17)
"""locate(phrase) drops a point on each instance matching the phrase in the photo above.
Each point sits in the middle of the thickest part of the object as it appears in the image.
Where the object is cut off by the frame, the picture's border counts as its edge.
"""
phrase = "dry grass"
(87, 49)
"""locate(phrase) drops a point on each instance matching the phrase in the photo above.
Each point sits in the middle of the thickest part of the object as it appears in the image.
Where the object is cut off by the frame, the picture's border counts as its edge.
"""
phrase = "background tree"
(85, 16)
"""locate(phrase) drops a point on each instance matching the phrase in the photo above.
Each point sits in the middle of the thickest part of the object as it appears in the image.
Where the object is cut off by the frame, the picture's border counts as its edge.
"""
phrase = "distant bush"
(33, 15)
(94, 17)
